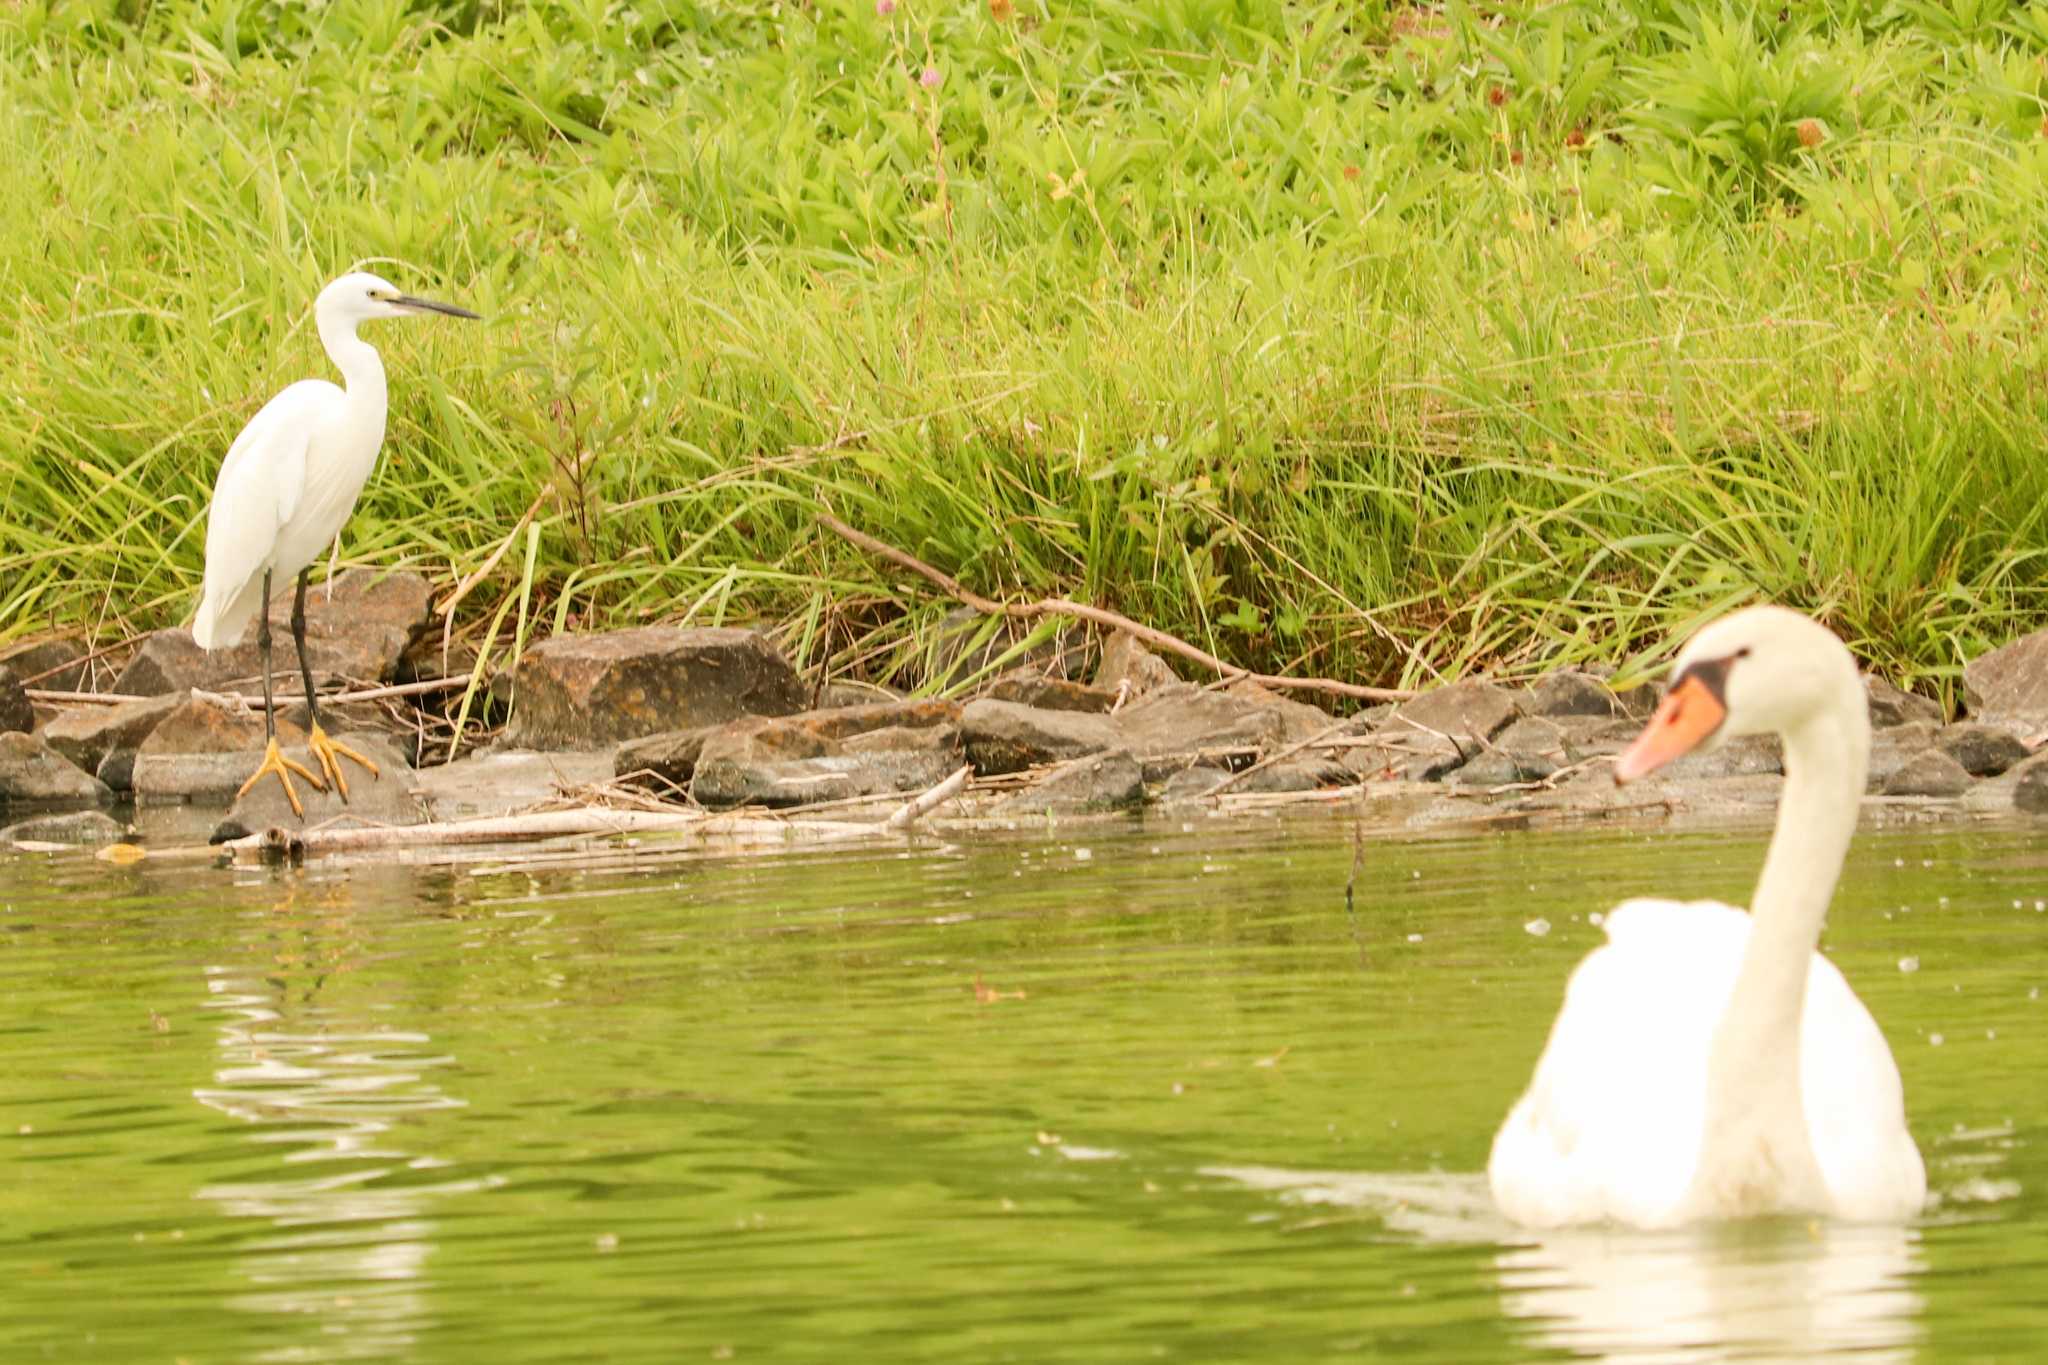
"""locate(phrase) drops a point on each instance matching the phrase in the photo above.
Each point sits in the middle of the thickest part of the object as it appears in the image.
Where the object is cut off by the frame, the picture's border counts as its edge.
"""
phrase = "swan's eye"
(1742, 653)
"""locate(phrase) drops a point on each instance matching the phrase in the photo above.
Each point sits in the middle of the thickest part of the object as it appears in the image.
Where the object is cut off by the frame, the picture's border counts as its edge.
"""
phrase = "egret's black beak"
(429, 306)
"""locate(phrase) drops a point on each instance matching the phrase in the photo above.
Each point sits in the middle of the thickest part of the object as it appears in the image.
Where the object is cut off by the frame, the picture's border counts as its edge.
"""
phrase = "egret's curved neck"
(1753, 1083)
(362, 371)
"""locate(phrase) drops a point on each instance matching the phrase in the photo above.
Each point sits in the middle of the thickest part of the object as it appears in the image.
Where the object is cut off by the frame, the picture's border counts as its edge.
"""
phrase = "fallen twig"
(1290, 751)
(917, 807)
(1102, 616)
(541, 825)
(411, 689)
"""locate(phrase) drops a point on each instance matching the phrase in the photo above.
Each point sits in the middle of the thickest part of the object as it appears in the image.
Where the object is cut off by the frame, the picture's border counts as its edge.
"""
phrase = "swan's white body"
(1709, 1063)
(292, 477)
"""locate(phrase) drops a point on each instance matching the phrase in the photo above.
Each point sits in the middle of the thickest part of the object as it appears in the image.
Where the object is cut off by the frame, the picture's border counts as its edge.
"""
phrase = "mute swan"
(1709, 1063)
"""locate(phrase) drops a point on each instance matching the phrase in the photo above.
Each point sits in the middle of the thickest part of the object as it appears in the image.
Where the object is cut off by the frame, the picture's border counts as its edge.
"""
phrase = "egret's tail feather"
(224, 614)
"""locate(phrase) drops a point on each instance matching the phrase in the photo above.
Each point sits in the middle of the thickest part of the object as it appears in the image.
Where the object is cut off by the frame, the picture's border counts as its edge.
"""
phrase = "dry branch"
(1060, 606)
(411, 689)
(916, 808)
(741, 829)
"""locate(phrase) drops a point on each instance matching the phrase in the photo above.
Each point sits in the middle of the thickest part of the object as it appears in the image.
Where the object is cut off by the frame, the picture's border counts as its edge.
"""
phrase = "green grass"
(1361, 339)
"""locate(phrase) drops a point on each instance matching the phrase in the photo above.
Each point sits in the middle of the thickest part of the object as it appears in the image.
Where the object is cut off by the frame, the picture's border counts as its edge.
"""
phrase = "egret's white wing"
(258, 491)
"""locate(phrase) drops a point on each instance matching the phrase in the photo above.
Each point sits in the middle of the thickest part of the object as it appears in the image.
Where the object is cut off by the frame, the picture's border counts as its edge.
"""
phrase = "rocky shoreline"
(716, 720)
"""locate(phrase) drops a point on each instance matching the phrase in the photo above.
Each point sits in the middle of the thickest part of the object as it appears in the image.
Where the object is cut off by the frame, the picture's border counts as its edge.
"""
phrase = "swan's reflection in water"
(348, 1209)
(1779, 1290)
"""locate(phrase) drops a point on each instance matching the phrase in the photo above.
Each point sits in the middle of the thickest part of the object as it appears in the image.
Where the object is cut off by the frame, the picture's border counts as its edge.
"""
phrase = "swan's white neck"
(1755, 1123)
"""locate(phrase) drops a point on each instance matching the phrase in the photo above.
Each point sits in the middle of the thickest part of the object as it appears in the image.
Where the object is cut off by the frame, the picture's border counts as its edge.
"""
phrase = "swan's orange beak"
(1688, 714)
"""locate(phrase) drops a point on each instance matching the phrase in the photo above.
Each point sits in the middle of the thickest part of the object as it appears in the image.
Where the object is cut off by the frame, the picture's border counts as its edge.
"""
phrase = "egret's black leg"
(299, 639)
(263, 648)
(328, 751)
(274, 761)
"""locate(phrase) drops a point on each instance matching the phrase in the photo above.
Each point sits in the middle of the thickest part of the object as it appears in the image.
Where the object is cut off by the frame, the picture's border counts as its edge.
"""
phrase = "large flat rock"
(1890, 706)
(723, 781)
(2008, 687)
(1180, 725)
(359, 631)
(86, 734)
(503, 781)
(31, 771)
(1111, 780)
(1129, 667)
(1007, 737)
(389, 798)
(1467, 711)
(827, 755)
(591, 691)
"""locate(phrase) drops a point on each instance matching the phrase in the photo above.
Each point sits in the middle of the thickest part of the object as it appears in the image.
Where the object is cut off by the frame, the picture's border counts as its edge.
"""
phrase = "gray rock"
(1497, 767)
(506, 780)
(1028, 688)
(826, 755)
(1562, 741)
(1930, 772)
(1893, 747)
(359, 633)
(1890, 706)
(722, 781)
(204, 723)
(56, 663)
(1124, 660)
(1003, 737)
(911, 726)
(1462, 711)
(668, 759)
(1741, 756)
(387, 799)
(1182, 725)
(71, 827)
(1111, 780)
(1305, 774)
(16, 711)
(591, 691)
(1982, 750)
(209, 779)
(849, 692)
(203, 750)
(31, 771)
(2030, 784)
(116, 768)
(1397, 753)
(1193, 784)
(2008, 687)
(86, 734)
(1569, 692)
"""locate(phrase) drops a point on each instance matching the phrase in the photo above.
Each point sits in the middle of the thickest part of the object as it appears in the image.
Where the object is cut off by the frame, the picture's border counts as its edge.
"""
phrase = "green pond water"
(756, 1109)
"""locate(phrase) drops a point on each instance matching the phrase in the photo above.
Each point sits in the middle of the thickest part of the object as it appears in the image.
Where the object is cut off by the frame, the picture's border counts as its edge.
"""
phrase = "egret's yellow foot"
(274, 761)
(330, 752)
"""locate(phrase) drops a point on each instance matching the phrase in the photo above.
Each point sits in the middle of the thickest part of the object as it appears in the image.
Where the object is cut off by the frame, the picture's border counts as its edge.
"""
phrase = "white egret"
(1709, 1063)
(288, 483)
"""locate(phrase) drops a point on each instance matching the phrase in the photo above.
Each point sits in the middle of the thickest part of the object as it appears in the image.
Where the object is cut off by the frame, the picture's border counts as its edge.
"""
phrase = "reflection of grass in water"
(1331, 336)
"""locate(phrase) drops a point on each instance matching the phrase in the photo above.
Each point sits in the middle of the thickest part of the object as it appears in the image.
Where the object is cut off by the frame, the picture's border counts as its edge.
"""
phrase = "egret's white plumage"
(1708, 1062)
(291, 479)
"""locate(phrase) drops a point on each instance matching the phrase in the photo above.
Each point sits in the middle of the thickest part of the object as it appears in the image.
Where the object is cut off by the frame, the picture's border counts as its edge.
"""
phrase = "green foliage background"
(1368, 339)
